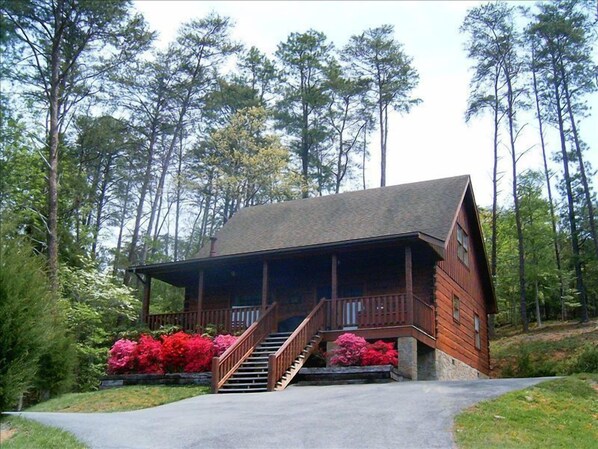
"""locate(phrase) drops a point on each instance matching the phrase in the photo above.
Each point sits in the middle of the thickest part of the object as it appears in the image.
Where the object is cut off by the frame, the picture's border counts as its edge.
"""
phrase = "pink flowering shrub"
(349, 350)
(174, 351)
(149, 355)
(222, 343)
(200, 352)
(380, 353)
(121, 359)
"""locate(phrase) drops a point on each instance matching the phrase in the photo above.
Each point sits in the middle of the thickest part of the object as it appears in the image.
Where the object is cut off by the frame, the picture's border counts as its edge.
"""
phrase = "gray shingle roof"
(428, 207)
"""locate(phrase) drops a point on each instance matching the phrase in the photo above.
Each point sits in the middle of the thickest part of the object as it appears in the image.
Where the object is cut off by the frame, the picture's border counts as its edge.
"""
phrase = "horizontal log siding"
(452, 277)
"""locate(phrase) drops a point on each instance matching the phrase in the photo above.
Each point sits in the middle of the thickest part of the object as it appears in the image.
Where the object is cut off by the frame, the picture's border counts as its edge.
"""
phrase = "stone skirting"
(450, 368)
(156, 379)
(340, 375)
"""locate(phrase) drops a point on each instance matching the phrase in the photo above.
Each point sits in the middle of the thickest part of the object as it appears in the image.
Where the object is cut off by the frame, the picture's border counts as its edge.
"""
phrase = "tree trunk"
(520, 245)
(570, 204)
(54, 135)
(555, 239)
(582, 170)
(144, 188)
(121, 227)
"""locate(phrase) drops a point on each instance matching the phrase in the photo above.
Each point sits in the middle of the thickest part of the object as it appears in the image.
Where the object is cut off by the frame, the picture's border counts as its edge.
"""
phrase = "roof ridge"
(342, 194)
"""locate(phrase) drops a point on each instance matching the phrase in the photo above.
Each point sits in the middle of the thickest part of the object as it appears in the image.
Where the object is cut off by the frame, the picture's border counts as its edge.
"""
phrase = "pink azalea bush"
(149, 355)
(174, 351)
(352, 350)
(349, 349)
(200, 352)
(380, 353)
(121, 358)
(222, 343)
(171, 353)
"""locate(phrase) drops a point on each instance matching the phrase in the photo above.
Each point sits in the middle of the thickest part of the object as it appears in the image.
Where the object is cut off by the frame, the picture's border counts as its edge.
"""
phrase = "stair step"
(242, 390)
(248, 378)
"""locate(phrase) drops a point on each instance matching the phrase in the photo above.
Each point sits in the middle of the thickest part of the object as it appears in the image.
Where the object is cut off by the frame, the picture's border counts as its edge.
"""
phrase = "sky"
(433, 140)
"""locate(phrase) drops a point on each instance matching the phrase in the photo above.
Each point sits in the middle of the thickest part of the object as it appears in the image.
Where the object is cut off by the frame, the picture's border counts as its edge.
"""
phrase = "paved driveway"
(399, 415)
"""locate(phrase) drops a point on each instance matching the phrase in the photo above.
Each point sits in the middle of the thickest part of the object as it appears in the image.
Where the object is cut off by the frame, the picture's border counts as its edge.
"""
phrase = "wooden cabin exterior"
(403, 262)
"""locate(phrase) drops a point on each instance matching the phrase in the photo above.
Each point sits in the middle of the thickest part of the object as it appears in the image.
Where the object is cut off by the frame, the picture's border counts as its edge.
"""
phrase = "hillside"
(557, 348)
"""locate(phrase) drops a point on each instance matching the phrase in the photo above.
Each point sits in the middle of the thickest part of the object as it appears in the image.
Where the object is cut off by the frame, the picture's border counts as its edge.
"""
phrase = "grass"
(553, 349)
(560, 413)
(20, 433)
(118, 399)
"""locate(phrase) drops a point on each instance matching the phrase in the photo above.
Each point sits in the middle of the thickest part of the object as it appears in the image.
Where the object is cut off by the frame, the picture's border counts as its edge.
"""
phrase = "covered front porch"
(384, 316)
(376, 291)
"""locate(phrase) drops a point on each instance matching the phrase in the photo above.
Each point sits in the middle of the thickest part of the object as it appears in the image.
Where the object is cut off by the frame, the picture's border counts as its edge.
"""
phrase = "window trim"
(462, 245)
(457, 302)
(477, 324)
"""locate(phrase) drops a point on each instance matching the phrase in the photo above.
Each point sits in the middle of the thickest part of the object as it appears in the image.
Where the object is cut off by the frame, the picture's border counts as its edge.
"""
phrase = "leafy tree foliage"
(376, 56)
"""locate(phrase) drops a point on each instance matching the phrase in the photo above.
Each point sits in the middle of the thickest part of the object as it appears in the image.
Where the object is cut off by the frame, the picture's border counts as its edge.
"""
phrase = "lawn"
(561, 413)
(20, 433)
(119, 399)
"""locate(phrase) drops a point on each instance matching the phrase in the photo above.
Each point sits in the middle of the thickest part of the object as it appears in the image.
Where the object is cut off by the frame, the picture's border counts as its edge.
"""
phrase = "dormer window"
(462, 245)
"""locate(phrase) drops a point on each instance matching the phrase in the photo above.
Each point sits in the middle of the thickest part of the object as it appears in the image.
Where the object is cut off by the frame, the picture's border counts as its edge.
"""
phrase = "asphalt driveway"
(399, 415)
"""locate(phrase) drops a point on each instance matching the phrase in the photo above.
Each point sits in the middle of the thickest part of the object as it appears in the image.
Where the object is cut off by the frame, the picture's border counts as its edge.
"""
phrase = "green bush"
(587, 361)
(29, 324)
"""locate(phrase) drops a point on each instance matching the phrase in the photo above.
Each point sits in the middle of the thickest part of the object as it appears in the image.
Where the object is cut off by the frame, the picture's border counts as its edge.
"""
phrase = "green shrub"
(29, 323)
(587, 361)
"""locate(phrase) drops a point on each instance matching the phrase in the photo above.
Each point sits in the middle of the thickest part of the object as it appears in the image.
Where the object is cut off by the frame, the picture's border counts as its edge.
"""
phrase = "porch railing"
(378, 311)
(224, 366)
(185, 320)
(279, 362)
(225, 320)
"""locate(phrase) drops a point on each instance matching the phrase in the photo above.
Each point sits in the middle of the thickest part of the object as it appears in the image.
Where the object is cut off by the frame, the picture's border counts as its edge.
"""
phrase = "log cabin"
(403, 263)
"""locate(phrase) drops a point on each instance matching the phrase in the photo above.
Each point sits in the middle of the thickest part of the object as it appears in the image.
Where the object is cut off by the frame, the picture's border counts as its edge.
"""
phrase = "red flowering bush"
(380, 353)
(174, 351)
(349, 350)
(121, 359)
(149, 355)
(222, 343)
(200, 352)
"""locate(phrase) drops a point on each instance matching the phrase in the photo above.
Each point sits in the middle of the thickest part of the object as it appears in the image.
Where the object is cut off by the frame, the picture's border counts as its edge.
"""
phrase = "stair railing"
(224, 366)
(279, 362)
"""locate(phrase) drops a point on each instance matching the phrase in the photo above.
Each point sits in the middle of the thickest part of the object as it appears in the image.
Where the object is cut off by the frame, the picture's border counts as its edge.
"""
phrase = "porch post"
(334, 290)
(265, 285)
(147, 289)
(200, 297)
(409, 284)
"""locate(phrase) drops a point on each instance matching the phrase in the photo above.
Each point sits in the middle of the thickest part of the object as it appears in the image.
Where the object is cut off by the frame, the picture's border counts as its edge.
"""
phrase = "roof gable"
(427, 207)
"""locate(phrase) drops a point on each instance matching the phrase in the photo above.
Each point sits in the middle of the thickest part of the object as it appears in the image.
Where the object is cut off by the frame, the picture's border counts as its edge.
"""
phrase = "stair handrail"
(281, 360)
(226, 364)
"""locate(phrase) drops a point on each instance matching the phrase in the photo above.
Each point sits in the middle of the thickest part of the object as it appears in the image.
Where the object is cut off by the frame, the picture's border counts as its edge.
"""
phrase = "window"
(462, 245)
(476, 329)
(456, 308)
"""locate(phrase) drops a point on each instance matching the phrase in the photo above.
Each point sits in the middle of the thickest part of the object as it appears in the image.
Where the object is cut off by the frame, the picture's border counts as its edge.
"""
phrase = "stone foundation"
(407, 347)
(433, 364)
(156, 379)
(450, 368)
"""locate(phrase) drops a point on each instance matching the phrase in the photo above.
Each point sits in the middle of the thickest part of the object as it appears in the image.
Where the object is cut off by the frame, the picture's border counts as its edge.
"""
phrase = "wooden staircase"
(252, 375)
(298, 363)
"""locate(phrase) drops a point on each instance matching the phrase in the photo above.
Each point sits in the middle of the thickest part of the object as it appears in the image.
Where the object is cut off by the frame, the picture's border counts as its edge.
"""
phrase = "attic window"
(462, 245)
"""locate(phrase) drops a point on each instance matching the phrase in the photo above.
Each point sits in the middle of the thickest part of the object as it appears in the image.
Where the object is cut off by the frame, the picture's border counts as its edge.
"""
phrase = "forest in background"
(115, 153)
